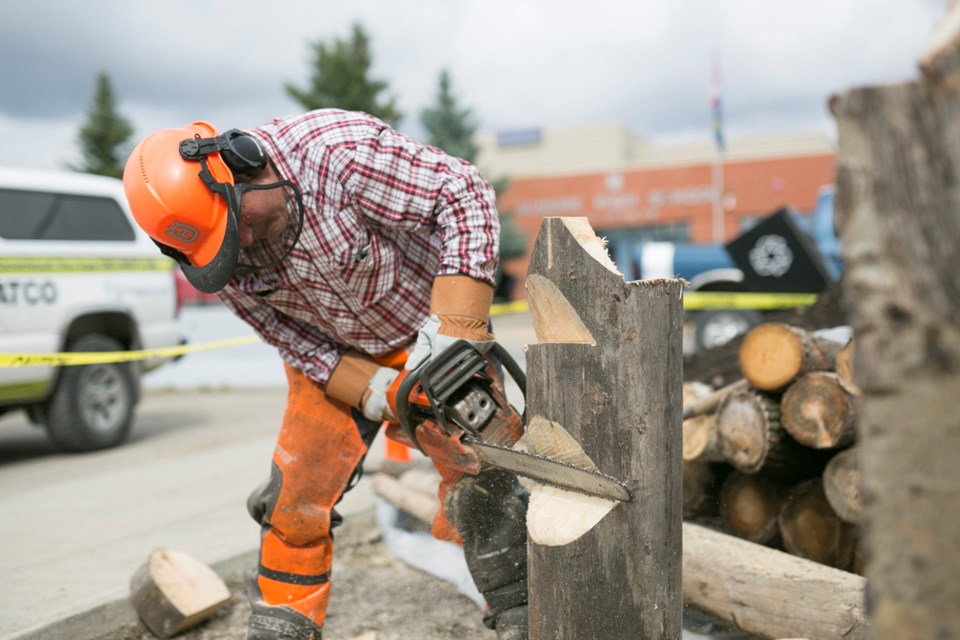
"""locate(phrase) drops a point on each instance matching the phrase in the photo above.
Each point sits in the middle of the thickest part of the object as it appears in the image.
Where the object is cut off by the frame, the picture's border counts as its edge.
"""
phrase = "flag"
(716, 105)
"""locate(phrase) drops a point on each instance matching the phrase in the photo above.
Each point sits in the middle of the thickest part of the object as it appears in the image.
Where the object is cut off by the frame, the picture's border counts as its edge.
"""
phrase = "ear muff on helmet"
(181, 187)
(172, 200)
(240, 151)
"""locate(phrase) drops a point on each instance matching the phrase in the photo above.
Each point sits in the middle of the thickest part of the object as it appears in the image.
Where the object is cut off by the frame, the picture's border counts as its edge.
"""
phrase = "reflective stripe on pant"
(321, 444)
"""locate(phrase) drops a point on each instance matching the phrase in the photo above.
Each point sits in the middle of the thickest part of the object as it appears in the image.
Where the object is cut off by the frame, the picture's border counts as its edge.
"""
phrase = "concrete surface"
(75, 528)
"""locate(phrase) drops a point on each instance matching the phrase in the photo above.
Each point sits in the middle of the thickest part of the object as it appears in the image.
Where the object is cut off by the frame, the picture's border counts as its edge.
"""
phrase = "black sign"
(777, 256)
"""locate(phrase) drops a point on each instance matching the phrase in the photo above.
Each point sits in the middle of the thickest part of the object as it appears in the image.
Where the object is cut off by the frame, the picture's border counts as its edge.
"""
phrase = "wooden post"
(897, 214)
(607, 370)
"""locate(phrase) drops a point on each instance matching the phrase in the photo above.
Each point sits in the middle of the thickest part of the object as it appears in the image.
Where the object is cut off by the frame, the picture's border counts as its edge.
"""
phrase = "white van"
(78, 274)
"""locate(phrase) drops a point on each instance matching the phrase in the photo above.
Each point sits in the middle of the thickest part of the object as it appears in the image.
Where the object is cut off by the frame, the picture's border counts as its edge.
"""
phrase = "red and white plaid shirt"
(384, 215)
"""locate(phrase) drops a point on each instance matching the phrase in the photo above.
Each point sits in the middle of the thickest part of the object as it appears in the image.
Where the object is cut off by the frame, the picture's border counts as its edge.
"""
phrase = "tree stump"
(607, 371)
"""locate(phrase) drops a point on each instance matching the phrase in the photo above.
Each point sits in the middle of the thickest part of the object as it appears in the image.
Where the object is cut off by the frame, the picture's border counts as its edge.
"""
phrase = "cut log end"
(173, 591)
(842, 485)
(811, 529)
(743, 427)
(771, 355)
(818, 412)
(593, 245)
(555, 516)
(554, 318)
(749, 506)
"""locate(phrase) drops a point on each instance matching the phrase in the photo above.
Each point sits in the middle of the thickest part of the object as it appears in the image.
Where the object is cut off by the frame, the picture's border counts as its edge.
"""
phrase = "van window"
(30, 215)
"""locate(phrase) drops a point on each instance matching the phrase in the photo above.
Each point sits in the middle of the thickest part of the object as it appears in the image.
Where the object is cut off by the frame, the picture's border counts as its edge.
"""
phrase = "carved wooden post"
(898, 214)
(604, 388)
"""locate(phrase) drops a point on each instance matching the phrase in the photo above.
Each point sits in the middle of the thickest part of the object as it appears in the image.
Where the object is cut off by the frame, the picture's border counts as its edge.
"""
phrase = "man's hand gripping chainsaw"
(453, 409)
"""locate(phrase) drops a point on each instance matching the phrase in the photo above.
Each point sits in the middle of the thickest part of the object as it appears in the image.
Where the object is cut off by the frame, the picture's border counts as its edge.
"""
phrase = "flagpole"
(717, 111)
(718, 221)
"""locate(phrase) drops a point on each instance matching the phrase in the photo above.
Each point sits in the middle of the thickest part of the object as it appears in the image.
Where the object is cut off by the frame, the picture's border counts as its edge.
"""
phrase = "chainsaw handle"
(398, 397)
(400, 392)
(504, 357)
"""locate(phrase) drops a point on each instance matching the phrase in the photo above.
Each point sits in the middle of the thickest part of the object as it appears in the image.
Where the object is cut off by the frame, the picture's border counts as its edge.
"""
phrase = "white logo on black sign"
(771, 256)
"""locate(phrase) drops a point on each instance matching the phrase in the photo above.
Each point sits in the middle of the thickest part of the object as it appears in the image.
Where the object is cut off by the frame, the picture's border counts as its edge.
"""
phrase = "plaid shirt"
(384, 215)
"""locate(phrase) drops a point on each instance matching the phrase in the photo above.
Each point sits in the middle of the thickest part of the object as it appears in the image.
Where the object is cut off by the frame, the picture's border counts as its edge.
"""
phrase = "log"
(842, 484)
(773, 354)
(752, 438)
(420, 505)
(818, 412)
(718, 366)
(424, 480)
(173, 591)
(767, 592)
(701, 490)
(896, 206)
(845, 373)
(698, 403)
(607, 371)
(763, 591)
(700, 439)
(750, 506)
(811, 529)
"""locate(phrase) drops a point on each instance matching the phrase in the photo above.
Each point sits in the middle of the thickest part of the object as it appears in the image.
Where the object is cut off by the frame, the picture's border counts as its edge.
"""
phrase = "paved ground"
(76, 527)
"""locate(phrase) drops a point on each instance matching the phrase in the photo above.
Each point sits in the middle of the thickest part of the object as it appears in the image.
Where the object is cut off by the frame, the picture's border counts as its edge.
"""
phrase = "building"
(634, 191)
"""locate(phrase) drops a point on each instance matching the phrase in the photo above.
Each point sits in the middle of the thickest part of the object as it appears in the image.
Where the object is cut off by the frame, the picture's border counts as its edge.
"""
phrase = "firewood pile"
(772, 457)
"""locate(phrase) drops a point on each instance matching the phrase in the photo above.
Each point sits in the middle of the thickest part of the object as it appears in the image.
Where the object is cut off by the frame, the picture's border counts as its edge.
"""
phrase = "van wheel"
(92, 405)
(720, 326)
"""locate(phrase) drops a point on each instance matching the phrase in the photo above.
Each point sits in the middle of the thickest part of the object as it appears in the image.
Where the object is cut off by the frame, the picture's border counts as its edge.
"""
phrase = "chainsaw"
(456, 393)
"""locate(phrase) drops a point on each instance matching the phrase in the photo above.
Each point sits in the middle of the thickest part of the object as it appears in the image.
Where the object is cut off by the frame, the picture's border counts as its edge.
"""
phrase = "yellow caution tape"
(74, 358)
(693, 300)
(81, 264)
(501, 308)
(697, 300)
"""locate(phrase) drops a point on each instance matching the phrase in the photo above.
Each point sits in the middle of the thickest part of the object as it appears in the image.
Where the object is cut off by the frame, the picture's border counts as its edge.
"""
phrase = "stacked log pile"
(772, 458)
(769, 546)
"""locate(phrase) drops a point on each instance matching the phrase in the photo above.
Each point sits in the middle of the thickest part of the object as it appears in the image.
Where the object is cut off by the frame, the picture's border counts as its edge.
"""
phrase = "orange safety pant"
(319, 451)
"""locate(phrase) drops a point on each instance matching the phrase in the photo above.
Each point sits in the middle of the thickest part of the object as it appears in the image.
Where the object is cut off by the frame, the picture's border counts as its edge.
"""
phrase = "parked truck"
(784, 260)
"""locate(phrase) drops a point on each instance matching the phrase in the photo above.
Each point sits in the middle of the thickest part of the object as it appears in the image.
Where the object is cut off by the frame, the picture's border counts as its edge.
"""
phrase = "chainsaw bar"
(552, 472)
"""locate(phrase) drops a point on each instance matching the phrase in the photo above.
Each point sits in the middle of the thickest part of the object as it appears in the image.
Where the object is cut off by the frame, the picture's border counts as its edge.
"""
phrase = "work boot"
(489, 511)
(279, 623)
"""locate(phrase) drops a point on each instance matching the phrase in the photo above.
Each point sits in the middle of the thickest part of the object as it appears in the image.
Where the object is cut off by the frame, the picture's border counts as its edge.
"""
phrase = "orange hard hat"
(172, 200)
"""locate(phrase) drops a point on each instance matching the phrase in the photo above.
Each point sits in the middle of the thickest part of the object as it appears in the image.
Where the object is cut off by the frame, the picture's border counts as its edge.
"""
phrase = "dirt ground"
(376, 596)
(372, 592)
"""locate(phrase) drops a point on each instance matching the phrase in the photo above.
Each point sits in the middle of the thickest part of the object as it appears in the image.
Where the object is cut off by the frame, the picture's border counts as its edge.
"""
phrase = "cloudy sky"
(516, 63)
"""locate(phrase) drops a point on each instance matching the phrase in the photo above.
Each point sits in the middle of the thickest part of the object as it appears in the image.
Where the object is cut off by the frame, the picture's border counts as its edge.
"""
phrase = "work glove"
(361, 383)
(459, 310)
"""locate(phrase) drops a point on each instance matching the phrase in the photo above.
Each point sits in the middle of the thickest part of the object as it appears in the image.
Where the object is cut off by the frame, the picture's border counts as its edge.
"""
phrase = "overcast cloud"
(516, 63)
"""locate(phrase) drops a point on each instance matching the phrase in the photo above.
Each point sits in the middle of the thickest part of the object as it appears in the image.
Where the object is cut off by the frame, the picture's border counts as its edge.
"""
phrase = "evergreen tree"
(104, 131)
(449, 127)
(339, 79)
